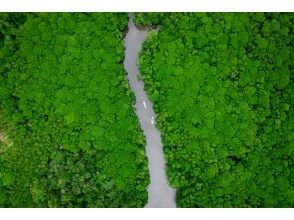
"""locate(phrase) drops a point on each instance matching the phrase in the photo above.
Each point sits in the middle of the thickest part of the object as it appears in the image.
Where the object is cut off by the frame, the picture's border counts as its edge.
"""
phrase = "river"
(160, 195)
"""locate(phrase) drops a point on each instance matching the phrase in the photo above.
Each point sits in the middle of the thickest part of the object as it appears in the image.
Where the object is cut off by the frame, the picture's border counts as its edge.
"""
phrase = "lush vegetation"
(222, 84)
(68, 133)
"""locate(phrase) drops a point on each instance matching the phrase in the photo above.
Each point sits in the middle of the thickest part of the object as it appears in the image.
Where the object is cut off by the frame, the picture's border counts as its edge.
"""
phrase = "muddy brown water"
(160, 195)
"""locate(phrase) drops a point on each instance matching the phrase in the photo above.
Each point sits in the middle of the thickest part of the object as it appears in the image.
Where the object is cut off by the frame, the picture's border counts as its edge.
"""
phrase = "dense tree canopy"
(222, 85)
(69, 135)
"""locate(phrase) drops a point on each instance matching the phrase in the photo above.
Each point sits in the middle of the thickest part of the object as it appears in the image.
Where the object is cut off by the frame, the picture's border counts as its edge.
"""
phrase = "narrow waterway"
(159, 192)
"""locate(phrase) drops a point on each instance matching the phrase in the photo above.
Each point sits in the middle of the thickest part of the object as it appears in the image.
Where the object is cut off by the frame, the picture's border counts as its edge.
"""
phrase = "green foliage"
(149, 18)
(222, 85)
(67, 108)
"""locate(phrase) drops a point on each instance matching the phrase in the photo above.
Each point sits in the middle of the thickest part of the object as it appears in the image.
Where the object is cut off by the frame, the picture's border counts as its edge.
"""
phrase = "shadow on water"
(159, 192)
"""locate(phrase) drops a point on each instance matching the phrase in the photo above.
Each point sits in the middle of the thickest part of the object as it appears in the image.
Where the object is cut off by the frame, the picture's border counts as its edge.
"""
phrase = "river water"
(160, 195)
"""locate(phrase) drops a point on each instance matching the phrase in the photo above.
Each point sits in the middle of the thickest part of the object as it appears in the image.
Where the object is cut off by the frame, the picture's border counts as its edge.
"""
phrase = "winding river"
(160, 195)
